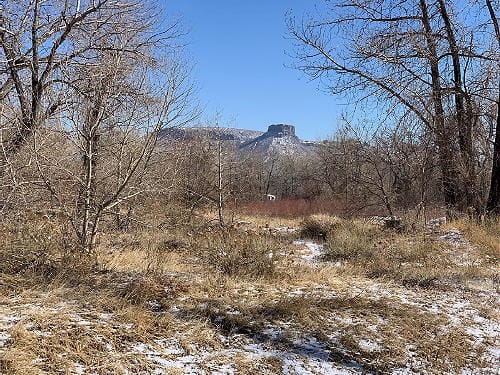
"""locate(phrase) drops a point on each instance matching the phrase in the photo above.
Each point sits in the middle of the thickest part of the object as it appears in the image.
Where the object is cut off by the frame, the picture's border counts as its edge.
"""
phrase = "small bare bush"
(351, 240)
(240, 254)
(318, 226)
(33, 245)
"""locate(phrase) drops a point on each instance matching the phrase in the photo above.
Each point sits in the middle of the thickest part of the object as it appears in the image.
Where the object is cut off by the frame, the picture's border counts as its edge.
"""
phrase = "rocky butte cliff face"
(278, 139)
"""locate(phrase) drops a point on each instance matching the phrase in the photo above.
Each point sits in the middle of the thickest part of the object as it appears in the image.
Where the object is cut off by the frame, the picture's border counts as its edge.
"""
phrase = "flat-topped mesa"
(281, 130)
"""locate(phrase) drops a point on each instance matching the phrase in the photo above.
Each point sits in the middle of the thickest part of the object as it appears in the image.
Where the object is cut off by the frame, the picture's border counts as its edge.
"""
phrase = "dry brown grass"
(318, 226)
(93, 323)
(393, 326)
(485, 237)
(409, 258)
(226, 284)
(239, 254)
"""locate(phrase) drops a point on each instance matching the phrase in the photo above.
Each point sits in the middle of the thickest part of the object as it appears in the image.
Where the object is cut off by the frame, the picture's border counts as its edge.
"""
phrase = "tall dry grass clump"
(350, 240)
(485, 236)
(33, 245)
(368, 249)
(240, 254)
(416, 258)
(318, 227)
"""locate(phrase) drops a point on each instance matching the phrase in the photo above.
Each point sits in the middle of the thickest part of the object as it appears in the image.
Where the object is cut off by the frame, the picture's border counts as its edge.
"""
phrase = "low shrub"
(318, 226)
(351, 241)
(34, 246)
(241, 254)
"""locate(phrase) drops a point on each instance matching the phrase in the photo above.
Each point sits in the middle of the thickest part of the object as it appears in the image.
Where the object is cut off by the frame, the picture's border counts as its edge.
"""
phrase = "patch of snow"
(368, 345)
(455, 237)
(433, 224)
(272, 332)
(154, 305)
(285, 229)
(141, 348)
(80, 369)
(7, 321)
(174, 310)
(315, 249)
(310, 252)
(4, 339)
(301, 363)
(41, 333)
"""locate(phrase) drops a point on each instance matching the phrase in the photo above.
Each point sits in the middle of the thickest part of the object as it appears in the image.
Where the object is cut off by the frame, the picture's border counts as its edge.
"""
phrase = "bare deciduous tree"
(416, 58)
(122, 80)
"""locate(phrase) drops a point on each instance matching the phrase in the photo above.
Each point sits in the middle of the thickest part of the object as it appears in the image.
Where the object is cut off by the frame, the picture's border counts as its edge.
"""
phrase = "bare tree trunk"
(444, 135)
(87, 192)
(464, 117)
(270, 175)
(220, 186)
(493, 204)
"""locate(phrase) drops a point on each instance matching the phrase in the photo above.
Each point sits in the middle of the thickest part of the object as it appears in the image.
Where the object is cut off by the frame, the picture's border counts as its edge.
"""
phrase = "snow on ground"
(308, 357)
(284, 229)
(7, 321)
(309, 251)
(464, 254)
(292, 351)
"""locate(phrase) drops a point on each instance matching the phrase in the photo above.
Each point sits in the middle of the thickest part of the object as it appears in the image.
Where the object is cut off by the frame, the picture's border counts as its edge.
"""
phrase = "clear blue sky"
(238, 48)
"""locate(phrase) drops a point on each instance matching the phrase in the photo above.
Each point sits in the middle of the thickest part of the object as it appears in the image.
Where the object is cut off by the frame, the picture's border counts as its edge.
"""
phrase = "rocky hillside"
(278, 138)
(238, 136)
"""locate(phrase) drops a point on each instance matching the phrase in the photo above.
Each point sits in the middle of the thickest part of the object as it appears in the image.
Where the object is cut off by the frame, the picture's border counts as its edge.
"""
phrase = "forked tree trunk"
(87, 211)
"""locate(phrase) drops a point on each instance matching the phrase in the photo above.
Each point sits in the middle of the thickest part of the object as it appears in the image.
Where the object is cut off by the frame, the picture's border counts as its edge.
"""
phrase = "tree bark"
(464, 116)
(444, 135)
(493, 204)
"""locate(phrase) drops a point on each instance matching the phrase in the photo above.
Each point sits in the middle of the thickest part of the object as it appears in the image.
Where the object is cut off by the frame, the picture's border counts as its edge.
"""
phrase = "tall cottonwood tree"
(416, 55)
